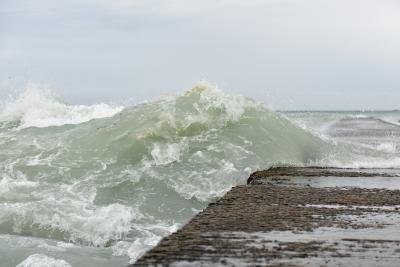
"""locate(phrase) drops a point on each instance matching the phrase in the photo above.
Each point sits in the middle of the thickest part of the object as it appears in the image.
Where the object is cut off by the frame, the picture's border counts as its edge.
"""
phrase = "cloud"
(291, 46)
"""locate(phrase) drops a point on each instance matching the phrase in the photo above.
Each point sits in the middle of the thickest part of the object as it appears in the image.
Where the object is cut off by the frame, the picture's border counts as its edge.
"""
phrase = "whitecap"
(37, 106)
(165, 153)
(40, 260)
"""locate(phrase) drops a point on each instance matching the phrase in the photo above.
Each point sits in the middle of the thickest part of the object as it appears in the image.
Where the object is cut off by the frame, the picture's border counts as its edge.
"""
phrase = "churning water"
(99, 185)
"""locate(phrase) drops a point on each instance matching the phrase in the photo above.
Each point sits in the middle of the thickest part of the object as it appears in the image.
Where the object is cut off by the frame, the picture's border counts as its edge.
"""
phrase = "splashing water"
(107, 183)
(39, 107)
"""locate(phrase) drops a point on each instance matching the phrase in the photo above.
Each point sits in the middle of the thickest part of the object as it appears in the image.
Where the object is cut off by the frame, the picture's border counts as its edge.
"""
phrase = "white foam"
(212, 98)
(393, 119)
(40, 260)
(84, 223)
(150, 235)
(107, 223)
(37, 106)
(359, 116)
(15, 189)
(166, 153)
(387, 147)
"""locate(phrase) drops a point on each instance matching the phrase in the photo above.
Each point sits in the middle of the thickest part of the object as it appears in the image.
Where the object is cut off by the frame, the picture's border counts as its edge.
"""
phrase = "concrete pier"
(288, 216)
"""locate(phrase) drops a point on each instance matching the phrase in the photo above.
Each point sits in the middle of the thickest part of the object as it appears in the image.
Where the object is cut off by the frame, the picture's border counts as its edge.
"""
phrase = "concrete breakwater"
(287, 216)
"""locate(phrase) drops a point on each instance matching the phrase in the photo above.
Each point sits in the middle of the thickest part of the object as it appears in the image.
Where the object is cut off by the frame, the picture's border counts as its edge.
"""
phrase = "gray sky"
(292, 54)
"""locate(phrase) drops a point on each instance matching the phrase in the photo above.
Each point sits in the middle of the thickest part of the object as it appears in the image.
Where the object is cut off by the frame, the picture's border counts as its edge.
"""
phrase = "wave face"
(103, 184)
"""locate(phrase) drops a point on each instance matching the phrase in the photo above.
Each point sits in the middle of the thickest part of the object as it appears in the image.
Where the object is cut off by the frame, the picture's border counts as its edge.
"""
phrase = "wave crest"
(37, 106)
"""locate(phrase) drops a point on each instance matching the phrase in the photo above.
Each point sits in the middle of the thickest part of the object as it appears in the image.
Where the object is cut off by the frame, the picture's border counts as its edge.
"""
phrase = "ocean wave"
(37, 106)
(125, 181)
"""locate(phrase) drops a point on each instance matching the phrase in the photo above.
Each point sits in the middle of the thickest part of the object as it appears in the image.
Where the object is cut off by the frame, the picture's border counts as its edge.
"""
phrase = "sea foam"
(37, 106)
(40, 260)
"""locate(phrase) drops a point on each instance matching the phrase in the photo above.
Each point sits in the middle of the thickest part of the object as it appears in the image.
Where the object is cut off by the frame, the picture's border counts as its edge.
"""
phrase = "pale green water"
(100, 192)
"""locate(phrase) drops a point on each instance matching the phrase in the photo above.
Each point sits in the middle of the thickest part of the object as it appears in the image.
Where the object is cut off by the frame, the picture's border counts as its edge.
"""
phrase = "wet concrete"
(294, 217)
(364, 127)
(372, 132)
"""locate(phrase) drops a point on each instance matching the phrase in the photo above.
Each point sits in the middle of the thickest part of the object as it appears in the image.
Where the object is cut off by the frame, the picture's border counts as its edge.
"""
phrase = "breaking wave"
(121, 178)
(39, 107)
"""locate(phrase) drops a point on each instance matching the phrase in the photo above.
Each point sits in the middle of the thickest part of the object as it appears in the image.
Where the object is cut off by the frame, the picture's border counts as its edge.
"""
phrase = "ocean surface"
(99, 185)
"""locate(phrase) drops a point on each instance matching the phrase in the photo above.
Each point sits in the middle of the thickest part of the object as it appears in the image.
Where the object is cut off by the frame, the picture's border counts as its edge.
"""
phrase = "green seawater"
(98, 186)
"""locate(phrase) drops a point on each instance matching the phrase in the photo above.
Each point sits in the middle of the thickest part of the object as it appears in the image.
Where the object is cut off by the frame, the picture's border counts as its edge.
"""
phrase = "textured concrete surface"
(293, 217)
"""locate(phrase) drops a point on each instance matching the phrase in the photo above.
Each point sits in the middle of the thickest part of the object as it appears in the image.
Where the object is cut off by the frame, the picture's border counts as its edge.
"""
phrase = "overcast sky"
(292, 54)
